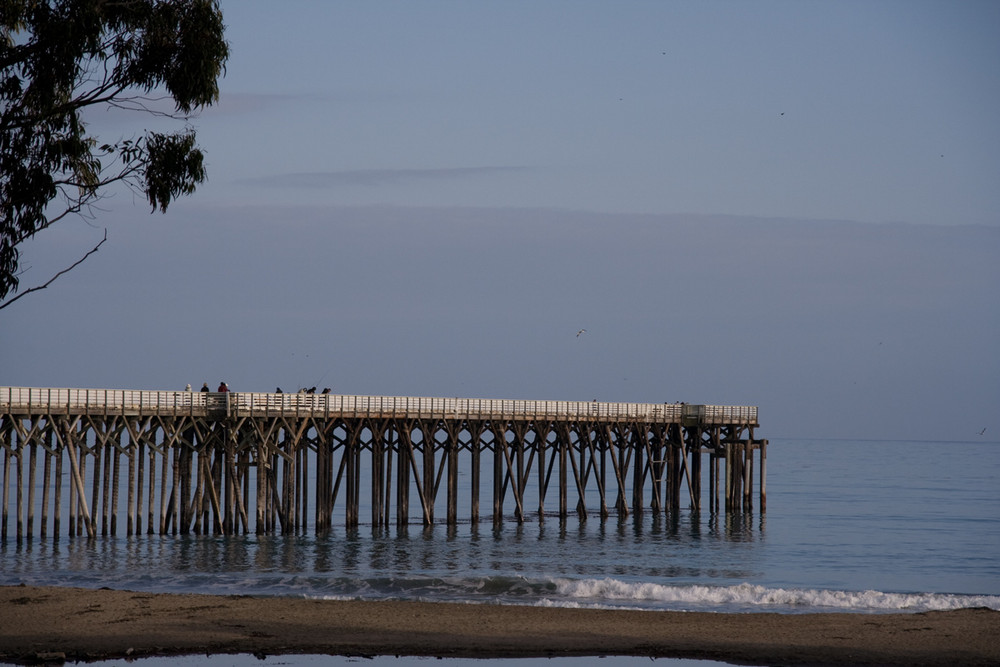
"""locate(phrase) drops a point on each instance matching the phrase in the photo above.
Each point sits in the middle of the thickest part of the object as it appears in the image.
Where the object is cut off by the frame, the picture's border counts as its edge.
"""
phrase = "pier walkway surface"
(228, 462)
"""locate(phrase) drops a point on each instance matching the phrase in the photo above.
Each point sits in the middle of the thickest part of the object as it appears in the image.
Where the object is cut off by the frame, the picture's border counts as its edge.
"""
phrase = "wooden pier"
(102, 461)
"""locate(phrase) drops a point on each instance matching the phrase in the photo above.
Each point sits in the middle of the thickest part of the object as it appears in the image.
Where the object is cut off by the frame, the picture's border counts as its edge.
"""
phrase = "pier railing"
(33, 400)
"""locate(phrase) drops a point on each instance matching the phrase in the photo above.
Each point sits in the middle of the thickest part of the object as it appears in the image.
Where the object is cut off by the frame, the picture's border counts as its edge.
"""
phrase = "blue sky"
(784, 204)
(870, 111)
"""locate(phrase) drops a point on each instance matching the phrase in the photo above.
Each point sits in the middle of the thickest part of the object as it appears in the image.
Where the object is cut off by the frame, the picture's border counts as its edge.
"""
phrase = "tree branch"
(75, 204)
(53, 278)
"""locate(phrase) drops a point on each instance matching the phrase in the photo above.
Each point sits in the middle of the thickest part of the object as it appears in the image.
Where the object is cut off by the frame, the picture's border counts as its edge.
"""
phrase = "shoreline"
(51, 624)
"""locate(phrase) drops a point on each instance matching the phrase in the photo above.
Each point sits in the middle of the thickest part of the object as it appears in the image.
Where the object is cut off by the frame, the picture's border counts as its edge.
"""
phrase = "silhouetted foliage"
(60, 57)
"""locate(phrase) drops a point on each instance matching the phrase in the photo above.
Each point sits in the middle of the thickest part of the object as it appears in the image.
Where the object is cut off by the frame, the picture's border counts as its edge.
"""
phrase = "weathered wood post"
(7, 454)
(115, 481)
(638, 465)
(19, 500)
(563, 454)
(451, 447)
(81, 494)
(302, 498)
(377, 491)
(404, 448)
(351, 472)
(748, 476)
(263, 472)
(392, 442)
(428, 442)
(763, 473)
(46, 472)
(695, 481)
(540, 447)
(580, 469)
(498, 473)
(32, 458)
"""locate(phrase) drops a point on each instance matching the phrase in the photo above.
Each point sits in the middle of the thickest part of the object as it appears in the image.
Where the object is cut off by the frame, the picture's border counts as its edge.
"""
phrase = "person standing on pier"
(223, 387)
(204, 386)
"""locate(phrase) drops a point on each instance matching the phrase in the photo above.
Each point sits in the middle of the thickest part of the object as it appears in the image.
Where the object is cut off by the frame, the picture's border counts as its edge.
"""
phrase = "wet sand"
(44, 624)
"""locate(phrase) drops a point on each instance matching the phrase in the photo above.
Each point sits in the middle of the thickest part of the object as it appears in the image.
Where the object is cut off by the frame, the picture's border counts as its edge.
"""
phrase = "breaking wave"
(751, 597)
(610, 593)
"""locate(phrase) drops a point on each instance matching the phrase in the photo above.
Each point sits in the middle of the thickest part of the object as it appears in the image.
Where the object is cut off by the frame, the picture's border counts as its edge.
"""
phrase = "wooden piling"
(763, 473)
(8, 453)
(19, 473)
(475, 429)
(46, 472)
(57, 498)
(32, 463)
(405, 442)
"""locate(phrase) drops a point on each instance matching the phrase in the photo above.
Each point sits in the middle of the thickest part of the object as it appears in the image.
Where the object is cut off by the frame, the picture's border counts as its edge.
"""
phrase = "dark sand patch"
(47, 623)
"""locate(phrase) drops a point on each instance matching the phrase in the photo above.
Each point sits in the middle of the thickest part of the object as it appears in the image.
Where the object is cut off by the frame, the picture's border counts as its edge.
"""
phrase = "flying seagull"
(581, 331)
(983, 431)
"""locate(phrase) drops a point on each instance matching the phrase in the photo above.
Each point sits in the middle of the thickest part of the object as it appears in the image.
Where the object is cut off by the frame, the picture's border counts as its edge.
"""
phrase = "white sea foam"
(611, 593)
(750, 596)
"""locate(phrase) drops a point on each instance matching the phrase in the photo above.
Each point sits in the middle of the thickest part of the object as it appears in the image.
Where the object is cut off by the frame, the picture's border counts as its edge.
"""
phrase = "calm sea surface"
(871, 526)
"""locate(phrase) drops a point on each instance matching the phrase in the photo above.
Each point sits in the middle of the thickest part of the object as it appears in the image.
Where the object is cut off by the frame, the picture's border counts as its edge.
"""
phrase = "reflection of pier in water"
(209, 462)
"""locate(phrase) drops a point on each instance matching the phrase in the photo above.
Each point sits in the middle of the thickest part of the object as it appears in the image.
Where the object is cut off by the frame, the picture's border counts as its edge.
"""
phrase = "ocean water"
(861, 526)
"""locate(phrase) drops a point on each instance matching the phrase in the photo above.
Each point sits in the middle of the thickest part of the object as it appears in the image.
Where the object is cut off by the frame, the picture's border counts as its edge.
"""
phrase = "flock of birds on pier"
(304, 390)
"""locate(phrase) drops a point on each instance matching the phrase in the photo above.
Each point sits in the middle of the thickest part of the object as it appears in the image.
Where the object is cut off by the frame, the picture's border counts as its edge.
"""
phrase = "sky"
(792, 205)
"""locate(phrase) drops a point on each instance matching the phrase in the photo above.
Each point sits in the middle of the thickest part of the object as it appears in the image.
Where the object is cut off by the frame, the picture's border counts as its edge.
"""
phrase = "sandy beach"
(45, 624)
